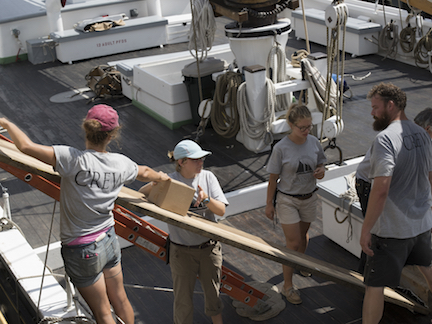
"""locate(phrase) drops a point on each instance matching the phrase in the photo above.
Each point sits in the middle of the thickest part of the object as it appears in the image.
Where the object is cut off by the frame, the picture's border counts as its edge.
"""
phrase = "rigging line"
(245, 168)
(305, 27)
(46, 255)
(196, 51)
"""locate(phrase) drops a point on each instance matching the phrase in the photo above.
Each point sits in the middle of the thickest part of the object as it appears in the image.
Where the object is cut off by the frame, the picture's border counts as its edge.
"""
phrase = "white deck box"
(156, 84)
(138, 33)
(341, 229)
(357, 31)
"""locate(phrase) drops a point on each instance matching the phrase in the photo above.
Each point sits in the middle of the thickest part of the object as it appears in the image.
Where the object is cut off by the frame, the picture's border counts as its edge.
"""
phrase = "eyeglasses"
(200, 159)
(304, 128)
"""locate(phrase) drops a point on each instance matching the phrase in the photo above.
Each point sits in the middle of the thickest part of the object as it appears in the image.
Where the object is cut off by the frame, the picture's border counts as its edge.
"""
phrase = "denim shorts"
(84, 263)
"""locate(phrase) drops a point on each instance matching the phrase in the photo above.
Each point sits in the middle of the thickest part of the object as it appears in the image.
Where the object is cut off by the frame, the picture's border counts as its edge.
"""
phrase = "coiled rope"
(422, 51)
(223, 123)
(203, 29)
(407, 39)
(257, 128)
(388, 39)
(263, 14)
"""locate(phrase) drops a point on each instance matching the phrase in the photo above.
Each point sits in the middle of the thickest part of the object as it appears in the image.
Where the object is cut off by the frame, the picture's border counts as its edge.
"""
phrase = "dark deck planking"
(25, 90)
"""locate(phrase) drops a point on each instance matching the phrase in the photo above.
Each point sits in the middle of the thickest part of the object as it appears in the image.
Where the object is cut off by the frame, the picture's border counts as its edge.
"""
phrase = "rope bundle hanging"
(223, 123)
(203, 29)
(253, 127)
(389, 39)
(423, 51)
(276, 72)
(407, 39)
(351, 195)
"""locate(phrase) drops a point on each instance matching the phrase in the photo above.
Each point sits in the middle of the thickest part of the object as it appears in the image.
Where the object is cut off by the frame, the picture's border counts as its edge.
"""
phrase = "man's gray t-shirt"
(363, 168)
(403, 151)
(209, 183)
(295, 164)
(90, 183)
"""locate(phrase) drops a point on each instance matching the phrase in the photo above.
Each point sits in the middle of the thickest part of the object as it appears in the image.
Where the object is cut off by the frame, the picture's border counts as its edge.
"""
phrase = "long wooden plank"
(135, 201)
(424, 5)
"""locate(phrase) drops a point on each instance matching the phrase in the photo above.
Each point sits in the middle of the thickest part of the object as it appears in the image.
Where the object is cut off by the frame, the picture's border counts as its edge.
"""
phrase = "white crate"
(335, 210)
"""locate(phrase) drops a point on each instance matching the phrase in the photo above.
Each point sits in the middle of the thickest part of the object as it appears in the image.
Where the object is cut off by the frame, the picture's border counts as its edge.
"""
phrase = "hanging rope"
(257, 128)
(388, 39)
(422, 51)
(305, 27)
(276, 72)
(223, 123)
(351, 195)
(407, 39)
(335, 53)
(203, 29)
(46, 254)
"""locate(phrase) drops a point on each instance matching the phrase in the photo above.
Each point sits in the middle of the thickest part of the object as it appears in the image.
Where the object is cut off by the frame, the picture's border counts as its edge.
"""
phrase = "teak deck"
(25, 90)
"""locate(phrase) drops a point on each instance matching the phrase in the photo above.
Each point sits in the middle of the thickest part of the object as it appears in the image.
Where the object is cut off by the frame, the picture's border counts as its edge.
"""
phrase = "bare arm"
(146, 174)
(216, 206)
(271, 191)
(43, 153)
(377, 199)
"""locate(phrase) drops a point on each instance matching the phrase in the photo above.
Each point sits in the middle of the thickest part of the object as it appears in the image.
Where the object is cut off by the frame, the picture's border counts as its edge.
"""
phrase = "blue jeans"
(84, 263)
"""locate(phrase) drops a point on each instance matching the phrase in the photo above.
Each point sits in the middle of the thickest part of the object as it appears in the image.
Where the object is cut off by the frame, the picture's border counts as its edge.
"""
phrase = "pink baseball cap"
(105, 115)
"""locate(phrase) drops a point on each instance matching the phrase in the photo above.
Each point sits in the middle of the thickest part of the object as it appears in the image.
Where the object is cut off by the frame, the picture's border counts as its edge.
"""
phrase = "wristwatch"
(206, 201)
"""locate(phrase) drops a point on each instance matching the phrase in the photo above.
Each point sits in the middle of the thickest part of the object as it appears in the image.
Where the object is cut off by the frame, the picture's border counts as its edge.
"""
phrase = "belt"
(199, 246)
(301, 197)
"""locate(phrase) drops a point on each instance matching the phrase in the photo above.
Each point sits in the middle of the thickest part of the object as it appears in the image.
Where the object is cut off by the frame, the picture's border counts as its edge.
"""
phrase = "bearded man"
(396, 229)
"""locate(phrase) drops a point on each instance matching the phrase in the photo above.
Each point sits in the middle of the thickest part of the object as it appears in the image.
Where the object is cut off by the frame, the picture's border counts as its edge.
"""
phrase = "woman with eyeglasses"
(190, 254)
(296, 161)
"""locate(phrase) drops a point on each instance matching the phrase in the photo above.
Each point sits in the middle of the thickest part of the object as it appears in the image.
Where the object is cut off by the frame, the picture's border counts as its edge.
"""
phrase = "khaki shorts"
(291, 210)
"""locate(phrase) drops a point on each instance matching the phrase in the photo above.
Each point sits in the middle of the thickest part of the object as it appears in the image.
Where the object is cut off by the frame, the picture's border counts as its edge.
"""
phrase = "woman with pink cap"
(90, 182)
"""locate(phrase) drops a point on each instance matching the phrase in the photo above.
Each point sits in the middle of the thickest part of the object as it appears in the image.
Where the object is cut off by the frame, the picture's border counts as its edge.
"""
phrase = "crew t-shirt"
(295, 164)
(90, 183)
(210, 184)
(403, 151)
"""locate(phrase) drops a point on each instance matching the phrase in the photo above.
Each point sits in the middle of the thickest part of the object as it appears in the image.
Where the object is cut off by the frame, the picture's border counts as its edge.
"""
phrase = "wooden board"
(135, 201)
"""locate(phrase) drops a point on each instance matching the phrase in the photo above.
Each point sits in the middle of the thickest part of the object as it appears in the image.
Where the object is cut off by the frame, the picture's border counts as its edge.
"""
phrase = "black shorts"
(391, 255)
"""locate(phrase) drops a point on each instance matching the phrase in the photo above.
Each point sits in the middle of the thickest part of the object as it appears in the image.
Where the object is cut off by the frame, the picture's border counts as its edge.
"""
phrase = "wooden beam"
(424, 5)
(239, 16)
(135, 201)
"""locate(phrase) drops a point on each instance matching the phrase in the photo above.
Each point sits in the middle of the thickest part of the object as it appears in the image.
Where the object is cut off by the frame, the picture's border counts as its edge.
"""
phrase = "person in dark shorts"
(398, 220)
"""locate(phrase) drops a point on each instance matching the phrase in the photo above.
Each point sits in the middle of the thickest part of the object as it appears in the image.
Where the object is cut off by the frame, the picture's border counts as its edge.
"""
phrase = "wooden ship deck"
(25, 90)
